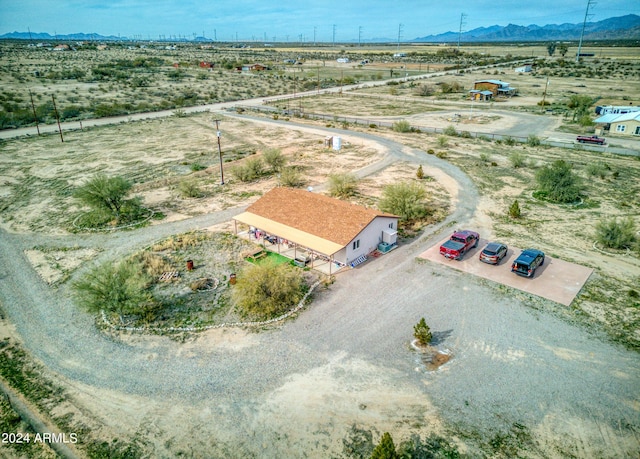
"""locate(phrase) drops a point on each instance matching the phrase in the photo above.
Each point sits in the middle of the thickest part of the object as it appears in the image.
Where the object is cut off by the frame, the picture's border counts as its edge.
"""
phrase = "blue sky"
(292, 20)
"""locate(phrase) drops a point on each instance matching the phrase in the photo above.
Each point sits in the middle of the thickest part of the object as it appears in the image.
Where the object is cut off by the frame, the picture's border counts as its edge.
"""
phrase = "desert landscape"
(523, 377)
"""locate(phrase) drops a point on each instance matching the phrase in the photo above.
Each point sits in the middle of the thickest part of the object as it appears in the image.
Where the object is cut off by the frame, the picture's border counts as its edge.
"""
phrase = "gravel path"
(511, 362)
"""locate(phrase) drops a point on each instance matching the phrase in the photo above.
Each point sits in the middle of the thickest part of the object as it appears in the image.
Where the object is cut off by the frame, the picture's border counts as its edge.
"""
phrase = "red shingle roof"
(329, 218)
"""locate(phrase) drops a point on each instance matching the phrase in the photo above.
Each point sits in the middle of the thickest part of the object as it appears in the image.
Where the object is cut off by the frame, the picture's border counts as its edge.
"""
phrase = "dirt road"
(293, 391)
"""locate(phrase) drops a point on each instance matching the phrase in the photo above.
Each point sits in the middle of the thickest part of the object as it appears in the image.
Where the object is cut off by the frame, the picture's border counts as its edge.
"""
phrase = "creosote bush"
(517, 159)
(108, 196)
(514, 210)
(267, 290)
(189, 189)
(274, 159)
(251, 170)
(450, 131)
(616, 234)
(343, 185)
(291, 177)
(401, 126)
(558, 183)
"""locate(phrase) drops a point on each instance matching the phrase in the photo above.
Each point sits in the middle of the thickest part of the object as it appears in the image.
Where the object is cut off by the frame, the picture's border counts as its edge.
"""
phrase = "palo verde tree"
(108, 196)
(267, 290)
(558, 182)
(115, 288)
(404, 199)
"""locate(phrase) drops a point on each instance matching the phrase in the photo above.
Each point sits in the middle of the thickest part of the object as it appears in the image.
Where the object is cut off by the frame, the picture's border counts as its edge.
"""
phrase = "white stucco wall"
(369, 238)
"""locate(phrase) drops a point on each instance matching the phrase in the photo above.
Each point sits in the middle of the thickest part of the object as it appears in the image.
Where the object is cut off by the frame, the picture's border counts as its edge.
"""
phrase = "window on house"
(621, 127)
(356, 244)
(391, 225)
(637, 130)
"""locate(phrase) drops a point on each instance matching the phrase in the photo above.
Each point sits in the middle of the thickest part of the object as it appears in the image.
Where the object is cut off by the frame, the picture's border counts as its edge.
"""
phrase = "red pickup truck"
(459, 243)
(591, 139)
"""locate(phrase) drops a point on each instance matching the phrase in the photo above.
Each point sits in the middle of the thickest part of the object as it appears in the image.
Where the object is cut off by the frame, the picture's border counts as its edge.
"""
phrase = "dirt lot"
(296, 389)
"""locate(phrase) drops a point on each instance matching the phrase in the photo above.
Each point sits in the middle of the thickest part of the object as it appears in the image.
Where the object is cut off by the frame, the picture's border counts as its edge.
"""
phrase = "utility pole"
(544, 94)
(584, 23)
(55, 109)
(35, 116)
(218, 135)
(462, 24)
(359, 36)
(399, 35)
(314, 35)
(334, 34)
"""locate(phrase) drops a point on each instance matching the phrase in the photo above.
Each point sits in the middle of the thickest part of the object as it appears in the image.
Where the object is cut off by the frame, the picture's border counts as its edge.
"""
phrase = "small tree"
(274, 159)
(616, 234)
(514, 210)
(420, 172)
(405, 199)
(116, 288)
(551, 48)
(450, 131)
(443, 141)
(533, 140)
(563, 48)
(267, 290)
(558, 182)
(107, 195)
(342, 185)
(422, 332)
(385, 449)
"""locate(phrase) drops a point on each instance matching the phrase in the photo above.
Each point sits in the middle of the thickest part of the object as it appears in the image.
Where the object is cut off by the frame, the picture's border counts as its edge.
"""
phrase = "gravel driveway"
(513, 360)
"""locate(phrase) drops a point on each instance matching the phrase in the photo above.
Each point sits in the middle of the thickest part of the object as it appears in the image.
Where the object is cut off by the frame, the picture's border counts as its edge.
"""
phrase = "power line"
(584, 23)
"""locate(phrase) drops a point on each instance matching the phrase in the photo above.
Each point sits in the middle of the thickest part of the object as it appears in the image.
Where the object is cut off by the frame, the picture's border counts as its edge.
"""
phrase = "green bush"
(385, 449)
(514, 210)
(451, 131)
(517, 159)
(559, 183)
(117, 288)
(404, 199)
(195, 167)
(422, 332)
(420, 172)
(251, 170)
(509, 141)
(291, 177)
(616, 234)
(108, 195)
(274, 159)
(343, 185)
(443, 141)
(189, 189)
(267, 290)
(533, 140)
(597, 169)
(401, 126)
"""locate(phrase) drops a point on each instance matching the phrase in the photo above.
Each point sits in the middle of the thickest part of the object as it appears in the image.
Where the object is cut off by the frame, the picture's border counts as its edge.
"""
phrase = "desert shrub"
(117, 288)
(107, 195)
(420, 172)
(189, 189)
(558, 183)
(195, 167)
(597, 169)
(274, 159)
(616, 234)
(533, 140)
(465, 134)
(484, 156)
(251, 170)
(404, 199)
(517, 159)
(442, 154)
(450, 131)
(510, 141)
(585, 121)
(401, 126)
(514, 210)
(443, 141)
(267, 290)
(433, 446)
(422, 332)
(424, 90)
(291, 177)
(342, 185)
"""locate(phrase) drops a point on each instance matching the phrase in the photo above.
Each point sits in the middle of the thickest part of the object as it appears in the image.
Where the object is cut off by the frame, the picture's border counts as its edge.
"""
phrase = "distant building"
(625, 124)
(497, 87)
(616, 109)
(477, 94)
(524, 68)
(252, 68)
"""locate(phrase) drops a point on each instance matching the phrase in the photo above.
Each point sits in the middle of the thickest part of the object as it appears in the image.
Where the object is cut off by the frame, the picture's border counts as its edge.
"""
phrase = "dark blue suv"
(527, 262)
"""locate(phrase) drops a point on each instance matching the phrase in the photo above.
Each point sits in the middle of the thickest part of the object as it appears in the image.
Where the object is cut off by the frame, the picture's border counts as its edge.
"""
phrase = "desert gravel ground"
(294, 390)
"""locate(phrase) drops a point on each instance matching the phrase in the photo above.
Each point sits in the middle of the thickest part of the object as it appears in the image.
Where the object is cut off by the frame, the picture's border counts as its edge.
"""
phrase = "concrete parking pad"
(556, 280)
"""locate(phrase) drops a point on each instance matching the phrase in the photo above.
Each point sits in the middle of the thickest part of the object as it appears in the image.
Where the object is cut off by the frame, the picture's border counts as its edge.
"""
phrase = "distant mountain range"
(619, 28)
(623, 27)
